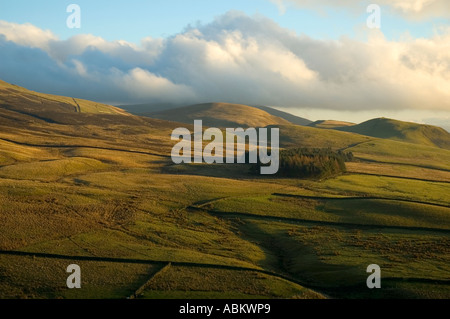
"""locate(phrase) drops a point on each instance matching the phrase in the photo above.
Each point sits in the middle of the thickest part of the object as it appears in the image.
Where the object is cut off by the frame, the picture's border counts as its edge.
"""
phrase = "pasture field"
(150, 229)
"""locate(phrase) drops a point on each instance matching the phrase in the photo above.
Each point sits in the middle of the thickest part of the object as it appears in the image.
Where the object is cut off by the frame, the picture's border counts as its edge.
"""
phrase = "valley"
(91, 184)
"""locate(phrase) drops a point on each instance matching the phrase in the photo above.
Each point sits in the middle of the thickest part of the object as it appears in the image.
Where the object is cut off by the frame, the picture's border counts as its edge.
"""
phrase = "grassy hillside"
(221, 115)
(103, 192)
(366, 148)
(390, 151)
(304, 136)
(330, 124)
(287, 116)
(151, 109)
(402, 131)
(50, 108)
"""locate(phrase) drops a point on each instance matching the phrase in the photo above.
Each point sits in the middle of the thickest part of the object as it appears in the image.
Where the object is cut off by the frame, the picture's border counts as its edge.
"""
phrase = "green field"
(108, 191)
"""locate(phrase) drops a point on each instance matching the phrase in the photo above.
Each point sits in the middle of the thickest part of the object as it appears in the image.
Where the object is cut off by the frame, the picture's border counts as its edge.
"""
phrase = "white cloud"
(421, 9)
(411, 9)
(236, 59)
(80, 68)
(281, 6)
(26, 34)
(146, 86)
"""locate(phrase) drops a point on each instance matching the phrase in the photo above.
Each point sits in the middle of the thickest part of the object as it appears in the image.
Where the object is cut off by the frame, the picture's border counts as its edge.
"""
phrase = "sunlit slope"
(42, 127)
(284, 115)
(391, 151)
(103, 187)
(402, 131)
(222, 115)
(304, 136)
(365, 147)
(51, 108)
(330, 124)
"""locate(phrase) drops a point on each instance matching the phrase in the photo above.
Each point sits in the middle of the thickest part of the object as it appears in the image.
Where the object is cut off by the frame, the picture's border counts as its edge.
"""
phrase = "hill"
(32, 105)
(366, 148)
(151, 109)
(284, 115)
(30, 119)
(148, 108)
(330, 124)
(221, 115)
(402, 131)
(311, 137)
(102, 191)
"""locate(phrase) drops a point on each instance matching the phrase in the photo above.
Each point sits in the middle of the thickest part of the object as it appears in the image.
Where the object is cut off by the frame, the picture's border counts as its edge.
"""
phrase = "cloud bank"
(236, 59)
(410, 9)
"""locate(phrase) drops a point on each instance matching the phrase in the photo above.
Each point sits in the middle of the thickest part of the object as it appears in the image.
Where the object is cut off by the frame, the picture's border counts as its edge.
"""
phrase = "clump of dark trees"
(311, 162)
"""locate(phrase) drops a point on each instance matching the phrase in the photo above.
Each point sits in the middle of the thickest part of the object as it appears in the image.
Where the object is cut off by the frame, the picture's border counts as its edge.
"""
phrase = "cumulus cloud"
(411, 9)
(26, 34)
(146, 85)
(237, 59)
(420, 9)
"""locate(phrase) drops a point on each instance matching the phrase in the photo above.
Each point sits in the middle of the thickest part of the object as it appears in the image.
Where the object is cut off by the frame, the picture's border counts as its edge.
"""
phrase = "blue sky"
(314, 58)
(136, 19)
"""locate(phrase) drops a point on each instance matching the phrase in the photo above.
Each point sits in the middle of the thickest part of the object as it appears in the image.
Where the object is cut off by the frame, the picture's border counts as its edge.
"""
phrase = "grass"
(191, 282)
(51, 170)
(335, 259)
(10, 93)
(160, 240)
(351, 211)
(311, 137)
(105, 186)
(122, 212)
(330, 124)
(404, 171)
(11, 153)
(432, 192)
(222, 115)
(394, 152)
(31, 278)
(402, 131)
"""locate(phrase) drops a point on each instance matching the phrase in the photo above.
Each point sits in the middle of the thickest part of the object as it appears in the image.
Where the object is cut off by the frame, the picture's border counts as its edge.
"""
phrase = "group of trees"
(320, 163)
(312, 163)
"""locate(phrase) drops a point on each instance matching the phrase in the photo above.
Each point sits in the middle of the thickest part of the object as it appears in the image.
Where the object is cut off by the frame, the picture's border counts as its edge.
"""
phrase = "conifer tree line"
(311, 162)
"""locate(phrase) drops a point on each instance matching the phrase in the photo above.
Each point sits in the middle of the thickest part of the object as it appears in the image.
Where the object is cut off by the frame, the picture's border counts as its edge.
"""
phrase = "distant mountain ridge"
(221, 115)
(402, 131)
(157, 110)
(19, 105)
(330, 124)
(287, 116)
(147, 109)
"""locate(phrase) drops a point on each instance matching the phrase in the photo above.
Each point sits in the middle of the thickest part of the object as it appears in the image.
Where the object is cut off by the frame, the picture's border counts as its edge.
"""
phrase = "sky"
(318, 59)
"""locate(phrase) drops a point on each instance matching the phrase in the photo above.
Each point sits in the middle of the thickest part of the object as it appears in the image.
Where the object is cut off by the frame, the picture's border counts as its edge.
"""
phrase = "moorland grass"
(192, 282)
(109, 189)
